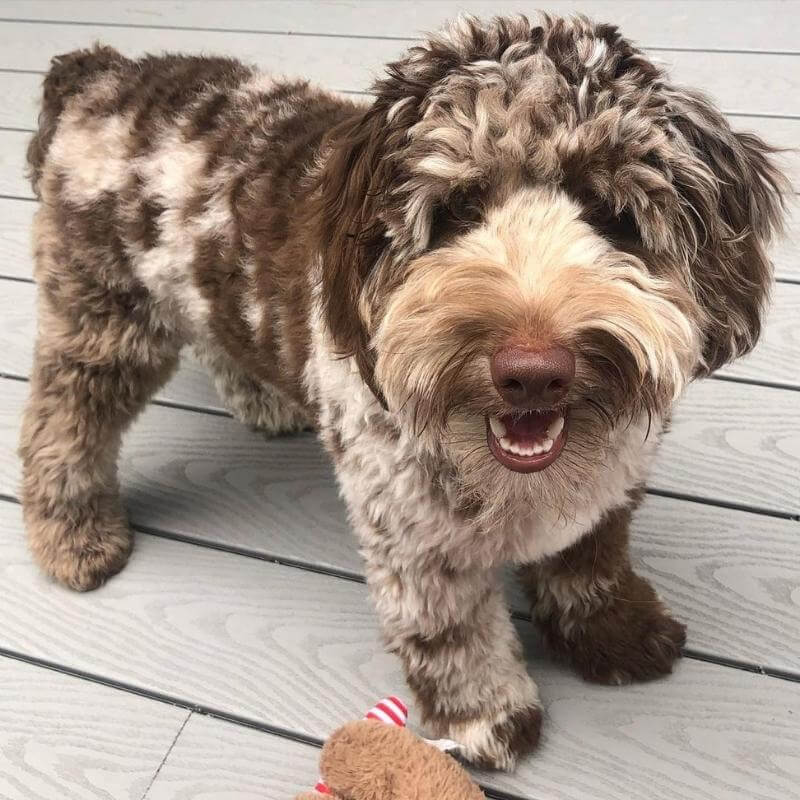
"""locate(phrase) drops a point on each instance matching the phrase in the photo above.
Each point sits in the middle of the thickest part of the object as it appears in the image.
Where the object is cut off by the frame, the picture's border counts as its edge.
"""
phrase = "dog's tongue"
(529, 427)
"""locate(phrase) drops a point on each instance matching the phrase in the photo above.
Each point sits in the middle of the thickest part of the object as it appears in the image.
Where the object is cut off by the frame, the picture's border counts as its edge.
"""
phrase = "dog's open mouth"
(528, 442)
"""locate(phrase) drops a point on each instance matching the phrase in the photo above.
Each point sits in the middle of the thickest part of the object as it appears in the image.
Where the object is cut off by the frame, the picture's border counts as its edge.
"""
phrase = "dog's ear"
(352, 193)
(733, 197)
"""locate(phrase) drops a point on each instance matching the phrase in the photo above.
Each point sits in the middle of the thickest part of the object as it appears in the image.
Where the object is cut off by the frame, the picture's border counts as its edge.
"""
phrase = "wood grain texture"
(16, 218)
(213, 759)
(299, 650)
(733, 576)
(222, 630)
(729, 442)
(733, 443)
(63, 738)
(765, 83)
(12, 162)
(703, 24)
(786, 253)
(21, 93)
(192, 386)
(781, 133)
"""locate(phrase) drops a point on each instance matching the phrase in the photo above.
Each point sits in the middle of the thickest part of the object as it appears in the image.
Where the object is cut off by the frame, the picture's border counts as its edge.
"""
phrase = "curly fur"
(354, 267)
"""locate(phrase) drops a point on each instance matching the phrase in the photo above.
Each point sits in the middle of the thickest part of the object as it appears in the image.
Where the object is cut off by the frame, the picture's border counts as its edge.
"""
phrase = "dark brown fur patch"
(352, 234)
(520, 733)
(593, 610)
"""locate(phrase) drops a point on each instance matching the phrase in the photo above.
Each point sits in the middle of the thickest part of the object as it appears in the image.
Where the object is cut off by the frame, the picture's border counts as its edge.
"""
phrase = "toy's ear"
(733, 191)
(368, 760)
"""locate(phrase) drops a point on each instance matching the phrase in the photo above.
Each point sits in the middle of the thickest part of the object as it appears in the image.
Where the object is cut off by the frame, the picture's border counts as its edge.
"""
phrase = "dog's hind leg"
(101, 353)
(256, 403)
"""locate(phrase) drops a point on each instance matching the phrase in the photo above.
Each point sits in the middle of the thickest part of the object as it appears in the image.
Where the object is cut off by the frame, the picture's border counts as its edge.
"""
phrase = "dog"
(485, 289)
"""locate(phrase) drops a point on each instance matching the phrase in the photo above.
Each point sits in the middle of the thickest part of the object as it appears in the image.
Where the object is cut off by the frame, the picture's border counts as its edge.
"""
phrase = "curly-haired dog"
(486, 289)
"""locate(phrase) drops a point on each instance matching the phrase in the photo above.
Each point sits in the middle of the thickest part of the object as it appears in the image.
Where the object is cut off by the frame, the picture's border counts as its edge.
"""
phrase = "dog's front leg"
(461, 654)
(596, 611)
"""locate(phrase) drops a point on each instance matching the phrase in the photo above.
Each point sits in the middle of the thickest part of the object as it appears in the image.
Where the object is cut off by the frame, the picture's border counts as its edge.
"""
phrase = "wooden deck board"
(22, 94)
(221, 630)
(16, 218)
(732, 575)
(730, 443)
(737, 444)
(766, 83)
(190, 386)
(213, 759)
(686, 23)
(12, 163)
(62, 738)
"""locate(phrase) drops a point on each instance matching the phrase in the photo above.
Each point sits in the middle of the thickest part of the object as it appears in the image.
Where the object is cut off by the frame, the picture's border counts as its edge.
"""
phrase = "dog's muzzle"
(533, 381)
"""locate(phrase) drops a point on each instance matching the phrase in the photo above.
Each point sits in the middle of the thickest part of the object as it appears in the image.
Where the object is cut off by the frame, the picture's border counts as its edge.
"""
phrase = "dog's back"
(182, 174)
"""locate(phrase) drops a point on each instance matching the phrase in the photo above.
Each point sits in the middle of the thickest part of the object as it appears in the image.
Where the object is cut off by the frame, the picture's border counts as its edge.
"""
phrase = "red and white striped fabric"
(391, 711)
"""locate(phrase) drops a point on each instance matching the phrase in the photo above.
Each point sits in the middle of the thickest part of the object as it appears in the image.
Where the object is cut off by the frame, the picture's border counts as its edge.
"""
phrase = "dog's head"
(532, 237)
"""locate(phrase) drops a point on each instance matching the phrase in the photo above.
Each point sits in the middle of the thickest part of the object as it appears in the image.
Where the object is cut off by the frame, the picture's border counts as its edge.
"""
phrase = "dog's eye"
(620, 227)
(455, 214)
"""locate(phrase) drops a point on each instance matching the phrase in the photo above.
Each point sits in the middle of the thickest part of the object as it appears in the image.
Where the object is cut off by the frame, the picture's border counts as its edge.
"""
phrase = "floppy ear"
(733, 194)
(352, 194)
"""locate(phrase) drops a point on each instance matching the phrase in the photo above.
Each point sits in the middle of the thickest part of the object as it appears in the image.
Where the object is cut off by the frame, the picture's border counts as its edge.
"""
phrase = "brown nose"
(528, 378)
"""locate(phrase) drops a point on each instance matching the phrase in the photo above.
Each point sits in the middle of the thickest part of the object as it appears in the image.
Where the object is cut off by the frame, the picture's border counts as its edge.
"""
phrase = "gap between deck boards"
(343, 574)
(708, 501)
(379, 36)
(197, 708)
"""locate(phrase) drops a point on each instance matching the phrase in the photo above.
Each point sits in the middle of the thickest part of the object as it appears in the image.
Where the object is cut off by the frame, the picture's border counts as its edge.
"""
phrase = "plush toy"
(378, 758)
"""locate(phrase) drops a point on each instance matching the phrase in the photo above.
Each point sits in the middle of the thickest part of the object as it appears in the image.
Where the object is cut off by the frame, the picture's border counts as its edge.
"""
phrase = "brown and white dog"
(486, 289)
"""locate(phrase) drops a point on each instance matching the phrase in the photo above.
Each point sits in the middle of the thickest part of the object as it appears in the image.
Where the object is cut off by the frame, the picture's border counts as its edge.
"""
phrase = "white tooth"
(505, 443)
(498, 429)
(537, 448)
(547, 445)
(555, 429)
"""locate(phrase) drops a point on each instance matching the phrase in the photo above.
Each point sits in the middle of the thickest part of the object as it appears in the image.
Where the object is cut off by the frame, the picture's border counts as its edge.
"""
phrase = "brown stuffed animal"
(371, 760)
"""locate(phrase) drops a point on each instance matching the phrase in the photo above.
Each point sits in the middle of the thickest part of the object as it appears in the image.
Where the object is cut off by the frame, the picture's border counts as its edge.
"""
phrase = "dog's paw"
(81, 556)
(496, 742)
(632, 638)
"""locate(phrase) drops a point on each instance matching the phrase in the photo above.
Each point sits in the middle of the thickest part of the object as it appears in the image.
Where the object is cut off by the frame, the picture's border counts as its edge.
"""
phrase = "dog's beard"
(498, 495)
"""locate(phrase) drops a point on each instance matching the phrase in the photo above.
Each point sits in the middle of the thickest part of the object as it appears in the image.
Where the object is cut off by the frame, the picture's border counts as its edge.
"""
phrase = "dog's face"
(533, 239)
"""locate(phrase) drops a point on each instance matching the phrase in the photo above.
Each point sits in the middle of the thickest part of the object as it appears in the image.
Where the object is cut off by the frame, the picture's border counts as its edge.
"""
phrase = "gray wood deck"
(240, 633)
